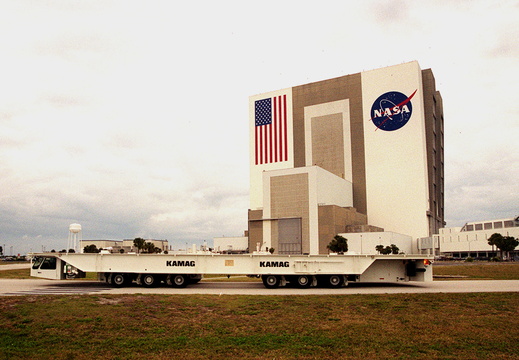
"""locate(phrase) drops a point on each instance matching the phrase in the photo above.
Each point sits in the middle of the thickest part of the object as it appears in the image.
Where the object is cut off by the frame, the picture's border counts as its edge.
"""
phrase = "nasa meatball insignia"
(392, 110)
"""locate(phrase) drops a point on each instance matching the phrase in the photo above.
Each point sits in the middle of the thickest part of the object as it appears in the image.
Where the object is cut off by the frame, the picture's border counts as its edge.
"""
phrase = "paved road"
(12, 287)
(14, 266)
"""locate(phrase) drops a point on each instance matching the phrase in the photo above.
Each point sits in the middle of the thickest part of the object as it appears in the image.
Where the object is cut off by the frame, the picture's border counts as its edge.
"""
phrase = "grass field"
(409, 326)
(486, 270)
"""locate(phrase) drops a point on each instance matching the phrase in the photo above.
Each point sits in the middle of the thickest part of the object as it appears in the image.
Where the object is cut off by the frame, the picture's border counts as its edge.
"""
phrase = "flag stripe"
(285, 126)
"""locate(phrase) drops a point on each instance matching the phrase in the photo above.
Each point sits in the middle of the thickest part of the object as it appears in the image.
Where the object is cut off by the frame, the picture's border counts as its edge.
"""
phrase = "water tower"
(74, 237)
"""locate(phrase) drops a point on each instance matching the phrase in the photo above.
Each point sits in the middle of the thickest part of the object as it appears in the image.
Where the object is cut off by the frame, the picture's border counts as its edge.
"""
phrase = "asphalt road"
(13, 287)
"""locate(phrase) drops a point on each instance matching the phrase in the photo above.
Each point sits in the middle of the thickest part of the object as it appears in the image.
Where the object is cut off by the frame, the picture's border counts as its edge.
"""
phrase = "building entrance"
(289, 236)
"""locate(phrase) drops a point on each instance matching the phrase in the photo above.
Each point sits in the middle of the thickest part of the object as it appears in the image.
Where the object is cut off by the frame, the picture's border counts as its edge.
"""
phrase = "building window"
(498, 225)
(479, 227)
(488, 226)
(469, 228)
(509, 223)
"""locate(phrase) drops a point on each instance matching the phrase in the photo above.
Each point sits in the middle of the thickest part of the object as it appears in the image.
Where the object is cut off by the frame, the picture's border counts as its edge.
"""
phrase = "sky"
(131, 117)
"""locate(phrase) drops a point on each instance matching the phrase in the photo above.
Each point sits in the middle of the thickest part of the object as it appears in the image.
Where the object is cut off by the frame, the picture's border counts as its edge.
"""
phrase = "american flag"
(271, 139)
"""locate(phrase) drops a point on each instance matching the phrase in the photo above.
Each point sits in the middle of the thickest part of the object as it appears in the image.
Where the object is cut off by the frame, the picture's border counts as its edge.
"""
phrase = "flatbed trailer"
(180, 270)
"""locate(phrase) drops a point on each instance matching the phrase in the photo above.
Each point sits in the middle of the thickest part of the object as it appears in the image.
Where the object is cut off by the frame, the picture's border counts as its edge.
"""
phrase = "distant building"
(231, 245)
(358, 153)
(126, 245)
(472, 238)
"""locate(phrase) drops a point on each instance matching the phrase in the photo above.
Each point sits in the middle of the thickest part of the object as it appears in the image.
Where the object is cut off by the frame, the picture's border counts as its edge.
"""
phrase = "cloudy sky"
(131, 117)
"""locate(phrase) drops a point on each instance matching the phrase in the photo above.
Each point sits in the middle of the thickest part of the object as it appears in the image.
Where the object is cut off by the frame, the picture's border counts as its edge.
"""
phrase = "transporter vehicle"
(180, 270)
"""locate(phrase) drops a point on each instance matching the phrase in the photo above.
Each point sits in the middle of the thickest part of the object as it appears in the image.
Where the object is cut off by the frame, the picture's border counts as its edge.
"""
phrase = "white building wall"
(455, 240)
(365, 243)
(396, 162)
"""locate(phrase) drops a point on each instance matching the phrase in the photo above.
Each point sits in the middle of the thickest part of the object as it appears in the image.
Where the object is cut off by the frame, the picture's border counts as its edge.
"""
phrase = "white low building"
(232, 244)
(472, 238)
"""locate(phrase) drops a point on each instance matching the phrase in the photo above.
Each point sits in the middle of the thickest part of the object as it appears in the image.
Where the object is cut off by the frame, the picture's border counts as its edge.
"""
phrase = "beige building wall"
(333, 220)
(255, 230)
(289, 198)
(328, 137)
(433, 109)
(347, 92)
(328, 143)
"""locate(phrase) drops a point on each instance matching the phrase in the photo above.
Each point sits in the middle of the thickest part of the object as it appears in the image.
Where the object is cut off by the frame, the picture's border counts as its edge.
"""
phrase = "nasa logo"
(392, 110)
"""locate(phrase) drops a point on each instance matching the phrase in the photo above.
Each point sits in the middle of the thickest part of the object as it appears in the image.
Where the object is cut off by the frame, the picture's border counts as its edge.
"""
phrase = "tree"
(1, 251)
(149, 247)
(505, 244)
(90, 249)
(394, 249)
(338, 245)
(379, 248)
(139, 243)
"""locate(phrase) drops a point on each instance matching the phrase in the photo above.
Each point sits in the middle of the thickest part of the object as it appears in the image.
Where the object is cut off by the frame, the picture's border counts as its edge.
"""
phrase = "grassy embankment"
(407, 326)
(479, 271)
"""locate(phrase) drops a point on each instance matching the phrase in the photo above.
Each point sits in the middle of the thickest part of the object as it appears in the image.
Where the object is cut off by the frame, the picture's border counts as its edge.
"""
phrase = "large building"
(358, 153)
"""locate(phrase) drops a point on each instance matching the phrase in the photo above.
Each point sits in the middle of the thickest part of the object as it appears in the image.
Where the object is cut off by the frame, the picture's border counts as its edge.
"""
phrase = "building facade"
(125, 245)
(471, 240)
(358, 153)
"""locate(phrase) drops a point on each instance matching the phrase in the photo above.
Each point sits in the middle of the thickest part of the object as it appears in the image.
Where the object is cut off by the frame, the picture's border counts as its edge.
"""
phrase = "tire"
(119, 280)
(335, 281)
(303, 281)
(271, 281)
(149, 280)
(177, 280)
(194, 278)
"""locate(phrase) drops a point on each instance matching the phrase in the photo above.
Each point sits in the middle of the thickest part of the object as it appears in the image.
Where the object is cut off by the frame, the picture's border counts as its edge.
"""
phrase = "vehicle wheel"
(149, 280)
(177, 280)
(335, 281)
(271, 281)
(194, 278)
(304, 281)
(118, 280)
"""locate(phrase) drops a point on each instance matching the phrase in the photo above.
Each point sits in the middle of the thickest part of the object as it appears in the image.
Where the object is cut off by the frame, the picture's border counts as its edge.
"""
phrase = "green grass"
(409, 326)
(15, 274)
(486, 270)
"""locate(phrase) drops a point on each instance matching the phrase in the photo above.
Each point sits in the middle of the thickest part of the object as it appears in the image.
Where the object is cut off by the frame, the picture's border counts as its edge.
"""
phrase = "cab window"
(37, 262)
(48, 264)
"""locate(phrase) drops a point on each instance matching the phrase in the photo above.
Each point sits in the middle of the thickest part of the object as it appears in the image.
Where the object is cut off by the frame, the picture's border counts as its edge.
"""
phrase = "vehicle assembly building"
(361, 153)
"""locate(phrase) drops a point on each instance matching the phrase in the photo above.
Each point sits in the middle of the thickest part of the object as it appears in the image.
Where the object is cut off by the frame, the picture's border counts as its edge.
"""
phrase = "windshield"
(36, 262)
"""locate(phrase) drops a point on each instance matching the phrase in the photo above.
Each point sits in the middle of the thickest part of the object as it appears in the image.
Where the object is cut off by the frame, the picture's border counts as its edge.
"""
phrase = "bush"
(338, 245)
(469, 259)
